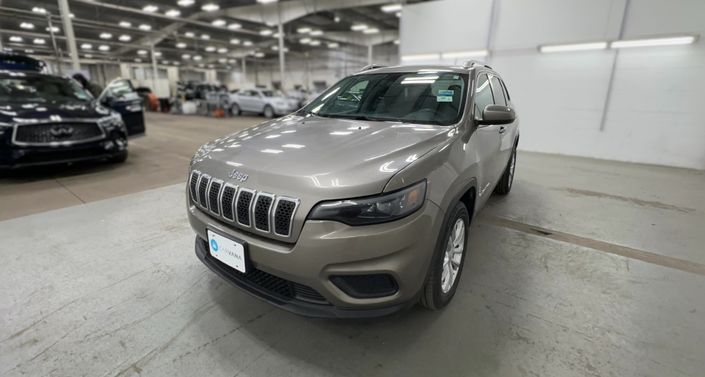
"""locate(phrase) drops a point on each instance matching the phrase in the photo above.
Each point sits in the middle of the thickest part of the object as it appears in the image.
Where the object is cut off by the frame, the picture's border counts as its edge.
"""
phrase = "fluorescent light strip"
(574, 47)
(421, 57)
(464, 54)
(652, 42)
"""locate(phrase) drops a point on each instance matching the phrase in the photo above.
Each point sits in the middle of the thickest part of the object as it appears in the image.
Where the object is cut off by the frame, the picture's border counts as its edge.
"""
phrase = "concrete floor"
(588, 268)
(156, 160)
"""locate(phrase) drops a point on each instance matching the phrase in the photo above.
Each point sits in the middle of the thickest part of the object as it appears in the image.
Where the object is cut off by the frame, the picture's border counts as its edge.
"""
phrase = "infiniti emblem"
(237, 175)
(61, 131)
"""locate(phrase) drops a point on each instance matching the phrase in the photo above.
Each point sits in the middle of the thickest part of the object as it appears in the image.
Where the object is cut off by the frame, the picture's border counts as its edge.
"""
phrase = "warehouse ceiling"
(198, 33)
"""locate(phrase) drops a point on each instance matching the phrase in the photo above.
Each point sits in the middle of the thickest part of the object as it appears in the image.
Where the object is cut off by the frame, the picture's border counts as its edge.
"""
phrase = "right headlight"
(374, 209)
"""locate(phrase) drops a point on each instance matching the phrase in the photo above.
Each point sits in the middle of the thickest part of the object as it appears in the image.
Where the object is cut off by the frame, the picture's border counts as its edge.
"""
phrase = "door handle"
(502, 129)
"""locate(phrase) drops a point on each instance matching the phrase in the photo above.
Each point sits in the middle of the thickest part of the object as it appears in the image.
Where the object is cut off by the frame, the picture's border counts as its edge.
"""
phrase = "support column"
(68, 32)
(244, 70)
(155, 71)
(57, 52)
(369, 54)
(281, 53)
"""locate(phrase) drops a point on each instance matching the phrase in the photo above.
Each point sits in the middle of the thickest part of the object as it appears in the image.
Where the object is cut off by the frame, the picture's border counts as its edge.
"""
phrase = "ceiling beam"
(290, 10)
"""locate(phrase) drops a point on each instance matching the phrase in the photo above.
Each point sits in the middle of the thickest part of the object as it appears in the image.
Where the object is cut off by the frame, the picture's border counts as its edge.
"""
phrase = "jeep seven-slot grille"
(262, 207)
(243, 207)
(213, 194)
(193, 185)
(227, 202)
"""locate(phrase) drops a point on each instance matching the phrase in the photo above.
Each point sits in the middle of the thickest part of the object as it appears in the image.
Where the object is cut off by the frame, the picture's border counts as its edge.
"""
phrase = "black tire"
(118, 158)
(268, 112)
(235, 109)
(433, 296)
(505, 183)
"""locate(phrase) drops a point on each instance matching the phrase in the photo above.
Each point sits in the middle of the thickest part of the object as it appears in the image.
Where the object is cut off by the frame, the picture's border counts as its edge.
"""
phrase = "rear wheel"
(505, 183)
(447, 264)
(235, 109)
(268, 112)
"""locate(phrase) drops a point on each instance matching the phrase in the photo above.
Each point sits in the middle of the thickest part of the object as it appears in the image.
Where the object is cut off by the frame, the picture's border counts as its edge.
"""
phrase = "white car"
(261, 101)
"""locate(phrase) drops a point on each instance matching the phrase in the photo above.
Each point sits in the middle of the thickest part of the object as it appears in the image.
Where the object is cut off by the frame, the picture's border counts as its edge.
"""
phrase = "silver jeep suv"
(358, 204)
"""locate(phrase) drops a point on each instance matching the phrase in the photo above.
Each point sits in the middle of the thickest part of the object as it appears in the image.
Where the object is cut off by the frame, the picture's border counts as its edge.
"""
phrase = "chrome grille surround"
(258, 212)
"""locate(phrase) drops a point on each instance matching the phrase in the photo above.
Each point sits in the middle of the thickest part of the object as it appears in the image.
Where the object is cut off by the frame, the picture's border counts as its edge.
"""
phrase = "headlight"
(113, 120)
(373, 209)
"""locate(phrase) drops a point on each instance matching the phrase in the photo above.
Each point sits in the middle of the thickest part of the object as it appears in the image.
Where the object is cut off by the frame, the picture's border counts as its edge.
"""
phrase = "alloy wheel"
(455, 246)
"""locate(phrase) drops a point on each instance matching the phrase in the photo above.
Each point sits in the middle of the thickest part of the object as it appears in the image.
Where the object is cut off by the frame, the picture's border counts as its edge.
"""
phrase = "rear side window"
(483, 95)
(498, 92)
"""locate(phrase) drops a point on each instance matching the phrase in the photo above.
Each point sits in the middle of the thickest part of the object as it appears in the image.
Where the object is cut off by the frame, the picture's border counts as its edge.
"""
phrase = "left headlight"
(374, 209)
(110, 121)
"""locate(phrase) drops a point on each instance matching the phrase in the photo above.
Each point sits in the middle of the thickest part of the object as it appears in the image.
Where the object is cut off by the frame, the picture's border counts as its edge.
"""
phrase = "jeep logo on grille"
(238, 175)
(60, 131)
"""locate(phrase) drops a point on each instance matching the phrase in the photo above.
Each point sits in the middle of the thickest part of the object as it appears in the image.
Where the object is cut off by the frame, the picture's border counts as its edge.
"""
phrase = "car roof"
(11, 72)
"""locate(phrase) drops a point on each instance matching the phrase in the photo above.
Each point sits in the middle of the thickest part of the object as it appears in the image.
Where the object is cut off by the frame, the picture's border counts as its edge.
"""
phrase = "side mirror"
(497, 114)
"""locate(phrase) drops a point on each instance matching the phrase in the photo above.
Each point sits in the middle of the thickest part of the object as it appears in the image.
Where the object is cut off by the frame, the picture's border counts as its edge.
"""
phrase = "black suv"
(47, 119)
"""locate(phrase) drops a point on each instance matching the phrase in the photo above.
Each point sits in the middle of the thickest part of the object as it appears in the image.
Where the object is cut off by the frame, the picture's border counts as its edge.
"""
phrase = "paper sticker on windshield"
(444, 96)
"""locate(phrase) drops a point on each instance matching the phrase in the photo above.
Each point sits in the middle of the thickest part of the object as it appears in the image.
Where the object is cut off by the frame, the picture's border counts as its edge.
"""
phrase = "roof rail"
(371, 66)
(472, 63)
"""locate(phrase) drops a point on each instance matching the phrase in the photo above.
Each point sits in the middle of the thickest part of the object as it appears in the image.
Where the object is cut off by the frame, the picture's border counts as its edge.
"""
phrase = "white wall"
(656, 113)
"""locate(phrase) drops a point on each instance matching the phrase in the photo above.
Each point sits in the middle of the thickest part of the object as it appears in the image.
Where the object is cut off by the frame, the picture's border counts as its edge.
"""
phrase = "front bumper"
(401, 249)
(16, 157)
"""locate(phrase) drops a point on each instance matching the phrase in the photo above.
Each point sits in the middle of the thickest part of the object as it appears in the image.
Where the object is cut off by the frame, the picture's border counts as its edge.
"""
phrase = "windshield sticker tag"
(444, 96)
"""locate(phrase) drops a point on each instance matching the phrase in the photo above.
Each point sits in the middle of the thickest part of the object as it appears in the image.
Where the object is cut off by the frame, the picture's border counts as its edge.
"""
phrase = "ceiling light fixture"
(145, 27)
(185, 3)
(173, 13)
(316, 33)
(104, 48)
(210, 7)
(142, 52)
(333, 45)
(124, 38)
(373, 30)
(358, 27)
(390, 8)
(315, 42)
(303, 30)
(53, 29)
(105, 36)
(150, 8)
(205, 37)
(265, 32)
(267, 1)
(222, 50)
(218, 23)
(125, 24)
(573, 47)
(234, 26)
(39, 10)
(16, 39)
(247, 43)
(186, 56)
(87, 46)
(198, 58)
(234, 41)
(181, 45)
(210, 49)
(189, 34)
(653, 42)
(27, 25)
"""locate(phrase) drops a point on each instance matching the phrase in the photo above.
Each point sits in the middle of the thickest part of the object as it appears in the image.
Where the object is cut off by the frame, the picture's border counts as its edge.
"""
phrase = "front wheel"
(505, 183)
(447, 263)
(235, 109)
(268, 112)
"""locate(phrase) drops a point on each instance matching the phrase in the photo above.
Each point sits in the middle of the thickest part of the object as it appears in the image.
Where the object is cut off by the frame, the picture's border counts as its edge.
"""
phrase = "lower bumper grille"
(267, 283)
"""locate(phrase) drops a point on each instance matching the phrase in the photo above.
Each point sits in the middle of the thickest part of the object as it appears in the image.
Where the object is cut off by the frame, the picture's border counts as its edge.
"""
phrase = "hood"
(319, 158)
(40, 110)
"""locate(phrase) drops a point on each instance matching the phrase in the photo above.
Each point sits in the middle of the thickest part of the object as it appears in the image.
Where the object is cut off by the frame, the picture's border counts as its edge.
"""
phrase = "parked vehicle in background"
(261, 101)
(120, 96)
(358, 204)
(46, 119)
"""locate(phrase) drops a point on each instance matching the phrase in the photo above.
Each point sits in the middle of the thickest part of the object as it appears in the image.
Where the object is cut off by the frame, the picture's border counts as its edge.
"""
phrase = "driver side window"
(483, 96)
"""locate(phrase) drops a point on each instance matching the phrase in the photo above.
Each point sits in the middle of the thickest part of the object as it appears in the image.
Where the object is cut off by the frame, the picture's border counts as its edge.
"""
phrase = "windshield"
(268, 93)
(18, 87)
(429, 97)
